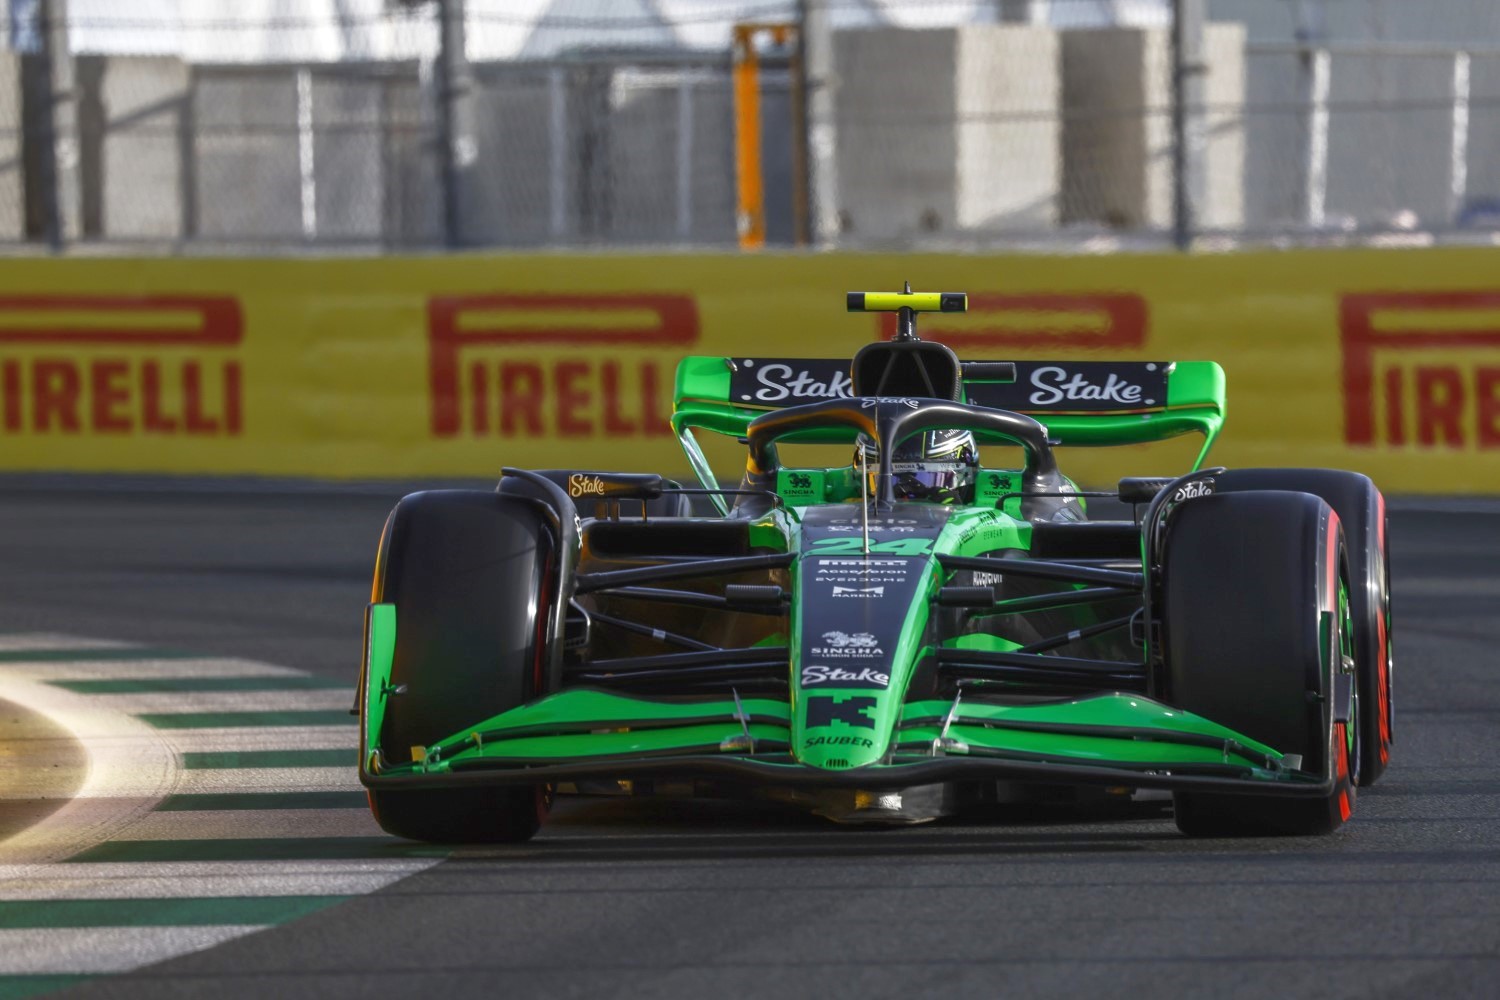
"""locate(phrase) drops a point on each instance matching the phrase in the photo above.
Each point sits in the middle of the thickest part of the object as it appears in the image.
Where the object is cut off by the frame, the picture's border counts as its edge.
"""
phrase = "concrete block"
(509, 187)
(245, 142)
(1390, 165)
(348, 154)
(644, 158)
(1117, 133)
(1009, 155)
(133, 120)
(946, 130)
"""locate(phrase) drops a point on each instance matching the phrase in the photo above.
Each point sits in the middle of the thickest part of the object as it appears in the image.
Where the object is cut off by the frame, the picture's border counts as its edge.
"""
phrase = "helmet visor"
(923, 480)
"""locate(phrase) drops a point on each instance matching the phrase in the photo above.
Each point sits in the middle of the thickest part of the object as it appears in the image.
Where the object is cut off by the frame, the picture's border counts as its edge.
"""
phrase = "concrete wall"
(946, 130)
(1117, 137)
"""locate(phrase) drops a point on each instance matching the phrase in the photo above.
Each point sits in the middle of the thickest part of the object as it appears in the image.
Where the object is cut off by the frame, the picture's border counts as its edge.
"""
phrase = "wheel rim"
(1346, 664)
(1388, 682)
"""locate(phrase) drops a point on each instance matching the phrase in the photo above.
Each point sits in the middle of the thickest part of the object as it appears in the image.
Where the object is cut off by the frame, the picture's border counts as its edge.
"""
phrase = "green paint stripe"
(111, 653)
(200, 911)
(263, 800)
(270, 758)
(260, 849)
(17, 987)
(173, 685)
(241, 720)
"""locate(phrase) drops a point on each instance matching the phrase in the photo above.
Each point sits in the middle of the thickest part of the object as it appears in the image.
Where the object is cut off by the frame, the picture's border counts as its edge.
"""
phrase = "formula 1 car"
(838, 638)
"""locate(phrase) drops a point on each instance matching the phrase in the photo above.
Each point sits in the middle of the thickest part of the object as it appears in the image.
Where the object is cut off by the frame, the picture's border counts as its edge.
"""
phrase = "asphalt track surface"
(632, 899)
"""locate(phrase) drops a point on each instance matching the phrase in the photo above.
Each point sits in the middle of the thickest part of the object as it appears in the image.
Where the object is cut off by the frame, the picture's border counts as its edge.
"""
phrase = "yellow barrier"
(1383, 361)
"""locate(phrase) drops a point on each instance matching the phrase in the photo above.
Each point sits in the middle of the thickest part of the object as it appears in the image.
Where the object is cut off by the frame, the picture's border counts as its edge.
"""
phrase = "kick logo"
(825, 710)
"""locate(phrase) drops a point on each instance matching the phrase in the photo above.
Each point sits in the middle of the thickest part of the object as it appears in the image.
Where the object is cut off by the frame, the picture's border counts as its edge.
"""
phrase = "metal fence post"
(1458, 169)
(821, 82)
(56, 207)
(457, 148)
(1188, 138)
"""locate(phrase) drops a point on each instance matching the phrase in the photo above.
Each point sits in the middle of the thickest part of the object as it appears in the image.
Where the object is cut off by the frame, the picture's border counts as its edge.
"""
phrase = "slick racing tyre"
(1257, 632)
(468, 572)
(1361, 508)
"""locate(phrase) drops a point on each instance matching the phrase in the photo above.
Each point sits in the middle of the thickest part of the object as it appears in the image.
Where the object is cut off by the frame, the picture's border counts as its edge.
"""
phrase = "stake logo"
(121, 365)
(780, 382)
(580, 485)
(1421, 369)
(1055, 384)
(545, 366)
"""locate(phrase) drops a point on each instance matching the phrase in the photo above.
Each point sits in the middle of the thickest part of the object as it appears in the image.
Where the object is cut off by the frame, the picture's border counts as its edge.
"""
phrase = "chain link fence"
(392, 125)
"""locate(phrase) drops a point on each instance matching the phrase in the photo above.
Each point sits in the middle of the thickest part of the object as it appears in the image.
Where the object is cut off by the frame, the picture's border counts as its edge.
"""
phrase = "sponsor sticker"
(580, 485)
(1196, 488)
(862, 592)
(1078, 386)
(1421, 370)
(786, 383)
(860, 571)
(845, 645)
(121, 366)
(839, 741)
(818, 673)
(825, 710)
(870, 402)
(538, 367)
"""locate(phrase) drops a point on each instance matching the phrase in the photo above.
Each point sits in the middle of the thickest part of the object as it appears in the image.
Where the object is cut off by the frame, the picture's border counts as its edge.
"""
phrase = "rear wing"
(1090, 403)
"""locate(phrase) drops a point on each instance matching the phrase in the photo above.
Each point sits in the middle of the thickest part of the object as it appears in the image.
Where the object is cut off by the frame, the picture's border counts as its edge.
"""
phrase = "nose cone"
(838, 730)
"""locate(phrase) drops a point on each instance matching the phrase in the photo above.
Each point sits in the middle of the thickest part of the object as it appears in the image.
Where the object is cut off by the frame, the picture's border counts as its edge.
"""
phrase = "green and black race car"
(888, 639)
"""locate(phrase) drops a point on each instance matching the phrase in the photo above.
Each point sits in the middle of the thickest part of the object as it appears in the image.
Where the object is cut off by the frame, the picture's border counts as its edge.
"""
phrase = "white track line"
(233, 824)
(90, 670)
(63, 950)
(26, 641)
(186, 879)
(272, 738)
(131, 768)
(169, 702)
(271, 779)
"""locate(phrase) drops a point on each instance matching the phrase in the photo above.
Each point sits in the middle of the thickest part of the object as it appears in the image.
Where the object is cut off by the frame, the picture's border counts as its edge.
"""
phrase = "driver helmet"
(936, 466)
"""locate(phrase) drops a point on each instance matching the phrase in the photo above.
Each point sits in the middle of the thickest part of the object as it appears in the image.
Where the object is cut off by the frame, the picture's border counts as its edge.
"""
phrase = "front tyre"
(1257, 630)
(1361, 508)
(469, 573)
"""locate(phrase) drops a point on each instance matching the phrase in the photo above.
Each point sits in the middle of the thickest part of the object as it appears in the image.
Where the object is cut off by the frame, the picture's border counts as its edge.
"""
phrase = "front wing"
(1108, 739)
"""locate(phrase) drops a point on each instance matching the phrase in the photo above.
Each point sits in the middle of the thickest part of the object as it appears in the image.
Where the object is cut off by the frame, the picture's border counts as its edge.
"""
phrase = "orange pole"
(750, 209)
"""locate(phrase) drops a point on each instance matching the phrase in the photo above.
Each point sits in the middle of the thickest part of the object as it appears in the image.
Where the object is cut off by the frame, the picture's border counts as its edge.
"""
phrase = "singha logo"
(859, 640)
(800, 480)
